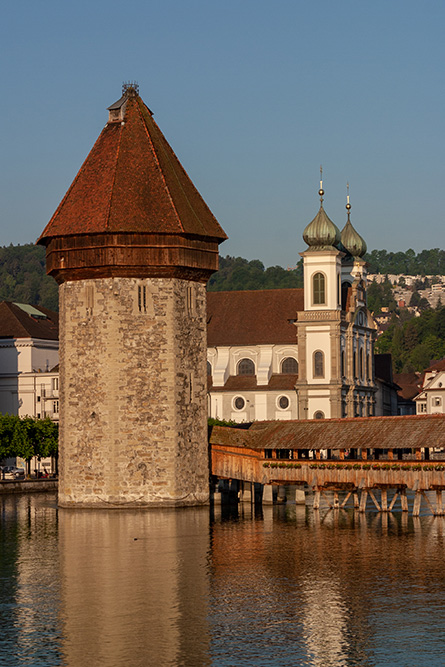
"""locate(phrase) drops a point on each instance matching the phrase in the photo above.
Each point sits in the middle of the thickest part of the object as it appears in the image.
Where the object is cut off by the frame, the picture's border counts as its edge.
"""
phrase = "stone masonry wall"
(133, 413)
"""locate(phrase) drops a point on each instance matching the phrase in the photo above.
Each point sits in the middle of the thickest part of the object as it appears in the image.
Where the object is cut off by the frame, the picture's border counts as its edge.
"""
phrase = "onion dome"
(351, 240)
(322, 233)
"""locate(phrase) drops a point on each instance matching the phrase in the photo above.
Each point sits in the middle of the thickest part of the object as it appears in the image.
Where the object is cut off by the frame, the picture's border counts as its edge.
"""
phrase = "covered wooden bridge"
(357, 459)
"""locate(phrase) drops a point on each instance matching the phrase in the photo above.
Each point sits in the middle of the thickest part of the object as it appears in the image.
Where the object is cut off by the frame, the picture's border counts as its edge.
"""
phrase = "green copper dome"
(352, 241)
(322, 233)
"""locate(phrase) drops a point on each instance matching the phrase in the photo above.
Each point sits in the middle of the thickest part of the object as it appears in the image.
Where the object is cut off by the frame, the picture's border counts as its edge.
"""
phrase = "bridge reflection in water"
(359, 460)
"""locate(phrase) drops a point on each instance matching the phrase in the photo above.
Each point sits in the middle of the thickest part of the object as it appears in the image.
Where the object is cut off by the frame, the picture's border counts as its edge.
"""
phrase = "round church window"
(283, 402)
(239, 402)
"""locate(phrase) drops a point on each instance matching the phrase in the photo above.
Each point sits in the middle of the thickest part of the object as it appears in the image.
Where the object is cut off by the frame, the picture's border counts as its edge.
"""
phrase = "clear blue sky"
(252, 95)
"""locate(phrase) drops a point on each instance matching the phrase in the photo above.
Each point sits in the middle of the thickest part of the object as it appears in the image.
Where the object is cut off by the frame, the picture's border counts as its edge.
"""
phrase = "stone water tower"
(132, 245)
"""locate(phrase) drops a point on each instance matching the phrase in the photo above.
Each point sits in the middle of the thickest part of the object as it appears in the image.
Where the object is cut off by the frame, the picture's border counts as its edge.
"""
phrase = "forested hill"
(425, 263)
(236, 273)
(23, 278)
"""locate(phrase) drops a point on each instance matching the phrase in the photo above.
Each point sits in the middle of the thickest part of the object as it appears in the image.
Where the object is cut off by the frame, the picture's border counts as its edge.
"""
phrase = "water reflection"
(283, 586)
(134, 587)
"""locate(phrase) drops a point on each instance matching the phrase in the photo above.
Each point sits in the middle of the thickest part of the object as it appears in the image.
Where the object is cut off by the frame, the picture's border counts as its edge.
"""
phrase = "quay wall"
(8, 486)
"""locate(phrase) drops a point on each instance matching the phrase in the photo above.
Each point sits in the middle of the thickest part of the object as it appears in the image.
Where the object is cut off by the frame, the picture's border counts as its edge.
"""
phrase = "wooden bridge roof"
(408, 431)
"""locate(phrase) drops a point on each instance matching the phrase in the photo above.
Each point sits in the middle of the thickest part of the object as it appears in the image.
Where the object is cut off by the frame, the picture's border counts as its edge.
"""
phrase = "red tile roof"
(408, 383)
(253, 317)
(277, 382)
(133, 182)
(16, 323)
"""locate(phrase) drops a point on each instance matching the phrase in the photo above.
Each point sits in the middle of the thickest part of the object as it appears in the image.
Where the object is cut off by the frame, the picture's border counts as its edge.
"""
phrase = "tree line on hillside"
(415, 342)
(23, 278)
(236, 273)
(27, 437)
(425, 263)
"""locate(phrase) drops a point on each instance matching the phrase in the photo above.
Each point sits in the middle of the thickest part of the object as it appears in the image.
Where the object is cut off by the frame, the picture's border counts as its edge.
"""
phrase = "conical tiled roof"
(132, 182)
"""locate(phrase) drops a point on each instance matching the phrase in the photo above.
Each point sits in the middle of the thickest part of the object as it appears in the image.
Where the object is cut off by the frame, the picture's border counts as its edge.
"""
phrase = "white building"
(431, 399)
(29, 354)
(29, 373)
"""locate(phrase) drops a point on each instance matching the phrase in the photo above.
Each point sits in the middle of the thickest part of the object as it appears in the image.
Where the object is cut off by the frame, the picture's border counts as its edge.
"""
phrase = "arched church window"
(344, 294)
(319, 288)
(246, 367)
(361, 364)
(319, 415)
(289, 366)
(318, 364)
(354, 364)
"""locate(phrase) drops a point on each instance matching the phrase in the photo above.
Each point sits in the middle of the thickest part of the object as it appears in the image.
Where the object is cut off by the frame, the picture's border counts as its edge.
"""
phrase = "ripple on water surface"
(282, 587)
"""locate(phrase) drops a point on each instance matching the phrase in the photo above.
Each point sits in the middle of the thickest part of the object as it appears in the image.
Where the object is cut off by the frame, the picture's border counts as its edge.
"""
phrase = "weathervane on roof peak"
(132, 87)
(321, 191)
(348, 205)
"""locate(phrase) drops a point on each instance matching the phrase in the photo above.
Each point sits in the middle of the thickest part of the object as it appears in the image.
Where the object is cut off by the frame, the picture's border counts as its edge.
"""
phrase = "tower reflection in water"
(134, 587)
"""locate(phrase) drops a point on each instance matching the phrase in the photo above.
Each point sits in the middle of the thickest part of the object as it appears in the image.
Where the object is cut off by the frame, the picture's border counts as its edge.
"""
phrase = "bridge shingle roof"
(408, 431)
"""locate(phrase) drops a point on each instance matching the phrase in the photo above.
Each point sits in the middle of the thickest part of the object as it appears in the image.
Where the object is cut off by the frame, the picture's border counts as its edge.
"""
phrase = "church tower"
(132, 245)
(335, 331)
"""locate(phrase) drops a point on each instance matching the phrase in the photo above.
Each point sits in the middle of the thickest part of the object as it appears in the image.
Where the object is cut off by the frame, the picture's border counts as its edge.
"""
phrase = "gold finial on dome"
(348, 205)
(353, 244)
(321, 191)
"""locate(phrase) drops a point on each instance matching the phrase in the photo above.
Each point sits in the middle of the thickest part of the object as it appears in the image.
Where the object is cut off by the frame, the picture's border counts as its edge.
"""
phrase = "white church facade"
(297, 354)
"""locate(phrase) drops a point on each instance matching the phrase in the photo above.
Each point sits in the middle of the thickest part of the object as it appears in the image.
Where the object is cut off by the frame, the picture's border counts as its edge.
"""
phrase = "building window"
(209, 368)
(246, 367)
(319, 415)
(239, 403)
(142, 298)
(318, 282)
(344, 294)
(55, 384)
(422, 407)
(55, 407)
(343, 365)
(361, 364)
(283, 402)
(190, 302)
(369, 367)
(318, 364)
(437, 400)
(289, 366)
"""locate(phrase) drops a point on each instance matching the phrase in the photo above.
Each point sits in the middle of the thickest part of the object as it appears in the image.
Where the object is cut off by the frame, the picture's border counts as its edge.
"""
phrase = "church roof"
(22, 321)
(253, 317)
(132, 182)
(277, 382)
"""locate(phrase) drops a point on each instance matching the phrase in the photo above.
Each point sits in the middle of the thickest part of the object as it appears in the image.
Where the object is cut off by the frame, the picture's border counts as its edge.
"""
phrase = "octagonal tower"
(132, 245)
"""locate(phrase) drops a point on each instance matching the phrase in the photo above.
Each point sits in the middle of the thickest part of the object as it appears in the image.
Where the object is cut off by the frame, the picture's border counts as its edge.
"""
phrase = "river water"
(287, 586)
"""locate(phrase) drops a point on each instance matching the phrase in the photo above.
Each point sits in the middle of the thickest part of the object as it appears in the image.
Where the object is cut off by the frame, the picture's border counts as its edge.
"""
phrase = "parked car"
(12, 472)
